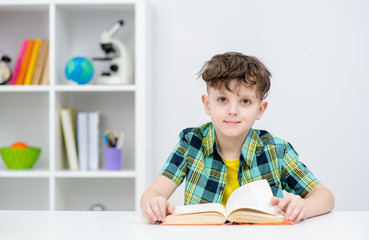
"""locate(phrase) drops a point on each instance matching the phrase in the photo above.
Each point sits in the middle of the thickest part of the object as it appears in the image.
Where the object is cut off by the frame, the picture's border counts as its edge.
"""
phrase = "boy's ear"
(205, 101)
(263, 106)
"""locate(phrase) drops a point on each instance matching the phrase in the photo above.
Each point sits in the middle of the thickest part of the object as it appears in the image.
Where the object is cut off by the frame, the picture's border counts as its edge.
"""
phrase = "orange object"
(25, 62)
(19, 145)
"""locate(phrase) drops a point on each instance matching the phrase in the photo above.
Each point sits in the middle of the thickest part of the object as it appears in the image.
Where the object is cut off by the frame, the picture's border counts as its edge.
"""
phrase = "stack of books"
(81, 138)
(32, 66)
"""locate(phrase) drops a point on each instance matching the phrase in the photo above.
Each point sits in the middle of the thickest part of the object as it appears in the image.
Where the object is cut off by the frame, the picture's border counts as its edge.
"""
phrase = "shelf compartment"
(20, 22)
(24, 116)
(119, 115)
(79, 194)
(79, 28)
(24, 193)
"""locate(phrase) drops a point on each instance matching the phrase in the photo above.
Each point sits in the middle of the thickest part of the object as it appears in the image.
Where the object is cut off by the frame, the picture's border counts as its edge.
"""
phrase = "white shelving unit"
(30, 113)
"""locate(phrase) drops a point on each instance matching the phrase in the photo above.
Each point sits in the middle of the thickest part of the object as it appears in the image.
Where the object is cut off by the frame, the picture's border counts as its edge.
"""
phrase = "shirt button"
(221, 189)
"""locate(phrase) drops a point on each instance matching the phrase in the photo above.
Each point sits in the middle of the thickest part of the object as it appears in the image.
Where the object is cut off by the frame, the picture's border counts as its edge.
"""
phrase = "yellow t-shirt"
(232, 179)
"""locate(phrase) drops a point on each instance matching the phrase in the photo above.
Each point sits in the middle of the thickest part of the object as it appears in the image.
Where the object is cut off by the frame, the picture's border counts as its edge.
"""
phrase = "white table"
(51, 225)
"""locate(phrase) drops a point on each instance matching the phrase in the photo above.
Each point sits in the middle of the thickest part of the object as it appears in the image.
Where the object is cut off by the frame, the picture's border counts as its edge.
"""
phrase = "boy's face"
(233, 113)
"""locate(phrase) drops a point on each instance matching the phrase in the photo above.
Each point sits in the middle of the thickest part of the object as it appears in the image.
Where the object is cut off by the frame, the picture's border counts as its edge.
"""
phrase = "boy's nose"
(233, 111)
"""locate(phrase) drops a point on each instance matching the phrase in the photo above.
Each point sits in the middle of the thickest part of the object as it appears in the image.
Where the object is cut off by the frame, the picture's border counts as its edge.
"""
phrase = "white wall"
(318, 53)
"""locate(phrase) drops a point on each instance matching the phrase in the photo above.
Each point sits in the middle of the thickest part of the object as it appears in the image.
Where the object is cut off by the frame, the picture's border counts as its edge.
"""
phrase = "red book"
(18, 63)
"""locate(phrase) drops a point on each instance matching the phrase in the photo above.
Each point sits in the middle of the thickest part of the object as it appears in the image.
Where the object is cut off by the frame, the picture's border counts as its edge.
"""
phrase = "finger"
(302, 216)
(283, 203)
(294, 211)
(150, 214)
(155, 209)
(294, 207)
(171, 208)
(148, 218)
(274, 200)
(162, 208)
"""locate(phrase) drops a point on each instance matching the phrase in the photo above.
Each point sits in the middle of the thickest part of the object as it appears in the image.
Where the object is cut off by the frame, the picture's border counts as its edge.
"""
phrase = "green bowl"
(20, 158)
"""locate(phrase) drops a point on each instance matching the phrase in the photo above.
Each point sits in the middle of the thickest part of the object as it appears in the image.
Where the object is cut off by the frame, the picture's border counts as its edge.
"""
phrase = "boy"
(218, 157)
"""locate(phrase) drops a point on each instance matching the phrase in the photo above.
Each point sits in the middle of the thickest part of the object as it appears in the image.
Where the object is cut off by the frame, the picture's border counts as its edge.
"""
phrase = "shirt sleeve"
(296, 177)
(175, 167)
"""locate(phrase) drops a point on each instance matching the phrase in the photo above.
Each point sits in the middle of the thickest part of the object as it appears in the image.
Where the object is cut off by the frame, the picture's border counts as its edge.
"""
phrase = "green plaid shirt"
(197, 159)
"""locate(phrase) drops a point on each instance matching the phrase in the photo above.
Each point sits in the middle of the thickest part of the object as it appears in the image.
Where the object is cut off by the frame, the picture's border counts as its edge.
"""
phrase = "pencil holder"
(113, 158)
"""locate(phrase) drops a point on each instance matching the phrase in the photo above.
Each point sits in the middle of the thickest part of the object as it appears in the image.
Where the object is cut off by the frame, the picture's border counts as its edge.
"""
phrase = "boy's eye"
(245, 101)
(222, 99)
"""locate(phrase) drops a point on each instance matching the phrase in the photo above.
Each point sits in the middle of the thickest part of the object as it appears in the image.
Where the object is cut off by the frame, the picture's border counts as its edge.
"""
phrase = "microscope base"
(112, 80)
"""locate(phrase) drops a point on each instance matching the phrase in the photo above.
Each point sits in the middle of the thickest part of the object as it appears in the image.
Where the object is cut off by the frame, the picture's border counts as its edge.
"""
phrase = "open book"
(249, 203)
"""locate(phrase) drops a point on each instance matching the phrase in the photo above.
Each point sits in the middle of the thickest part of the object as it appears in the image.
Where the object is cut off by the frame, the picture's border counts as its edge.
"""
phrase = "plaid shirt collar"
(210, 143)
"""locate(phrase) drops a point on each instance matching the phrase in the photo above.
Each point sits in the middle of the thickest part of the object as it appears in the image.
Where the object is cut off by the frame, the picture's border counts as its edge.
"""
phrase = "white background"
(318, 53)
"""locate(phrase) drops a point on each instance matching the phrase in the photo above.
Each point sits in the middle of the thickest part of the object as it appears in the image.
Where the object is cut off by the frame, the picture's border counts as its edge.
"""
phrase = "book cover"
(248, 204)
(68, 129)
(32, 62)
(93, 140)
(82, 140)
(19, 62)
(25, 62)
(40, 63)
(45, 73)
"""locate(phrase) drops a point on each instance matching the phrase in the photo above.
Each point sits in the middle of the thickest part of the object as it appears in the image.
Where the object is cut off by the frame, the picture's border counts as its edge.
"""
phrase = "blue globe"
(79, 69)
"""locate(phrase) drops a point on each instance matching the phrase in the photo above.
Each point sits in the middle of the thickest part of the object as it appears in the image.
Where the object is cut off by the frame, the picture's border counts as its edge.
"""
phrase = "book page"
(199, 208)
(255, 195)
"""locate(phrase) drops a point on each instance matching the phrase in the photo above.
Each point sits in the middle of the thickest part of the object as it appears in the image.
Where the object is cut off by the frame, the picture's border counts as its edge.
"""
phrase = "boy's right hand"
(157, 209)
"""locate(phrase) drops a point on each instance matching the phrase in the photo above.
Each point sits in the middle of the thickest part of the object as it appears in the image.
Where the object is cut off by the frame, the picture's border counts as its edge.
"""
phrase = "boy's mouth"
(232, 122)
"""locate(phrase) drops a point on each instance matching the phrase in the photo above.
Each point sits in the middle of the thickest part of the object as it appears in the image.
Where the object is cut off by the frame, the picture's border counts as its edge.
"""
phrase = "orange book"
(32, 62)
(25, 62)
(248, 204)
(40, 63)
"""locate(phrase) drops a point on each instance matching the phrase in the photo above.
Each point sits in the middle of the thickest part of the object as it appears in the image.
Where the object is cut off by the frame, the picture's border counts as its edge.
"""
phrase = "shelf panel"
(95, 174)
(96, 4)
(24, 6)
(95, 88)
(24, 173)
(23, 88)
(66, 174)
(68, 88)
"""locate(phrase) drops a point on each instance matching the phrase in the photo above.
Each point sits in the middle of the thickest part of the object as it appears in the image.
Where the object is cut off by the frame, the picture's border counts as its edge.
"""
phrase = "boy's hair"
(248, 70)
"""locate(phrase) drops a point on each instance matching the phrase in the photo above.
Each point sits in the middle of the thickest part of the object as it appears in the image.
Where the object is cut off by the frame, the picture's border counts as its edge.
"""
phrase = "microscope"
(118, 55)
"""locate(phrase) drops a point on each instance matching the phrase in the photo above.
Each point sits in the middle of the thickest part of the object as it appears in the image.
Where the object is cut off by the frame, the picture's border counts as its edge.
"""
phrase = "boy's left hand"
(293, 206)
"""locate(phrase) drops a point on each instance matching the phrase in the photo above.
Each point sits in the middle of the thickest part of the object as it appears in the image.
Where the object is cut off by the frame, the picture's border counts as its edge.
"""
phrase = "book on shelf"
(93, 140)
(18, 63)
(45, 72)
(68, 129)
(88, 128)
(25, 62)
(249, 204)
(82, 140)
(41, 62)
(32, 62)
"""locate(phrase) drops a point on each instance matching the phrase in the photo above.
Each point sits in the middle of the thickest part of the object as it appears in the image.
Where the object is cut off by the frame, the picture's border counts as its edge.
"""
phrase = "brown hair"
(248, 70)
